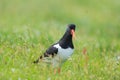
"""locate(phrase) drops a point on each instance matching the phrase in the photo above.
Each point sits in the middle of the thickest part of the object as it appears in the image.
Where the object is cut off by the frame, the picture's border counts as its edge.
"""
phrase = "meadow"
(29, 27)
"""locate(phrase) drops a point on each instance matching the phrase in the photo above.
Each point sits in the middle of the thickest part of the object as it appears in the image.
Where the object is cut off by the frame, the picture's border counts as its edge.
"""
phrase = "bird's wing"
(51, 51)
(49, 54)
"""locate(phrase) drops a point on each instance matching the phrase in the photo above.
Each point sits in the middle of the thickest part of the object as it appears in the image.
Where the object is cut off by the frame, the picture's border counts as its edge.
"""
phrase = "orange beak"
(73, 33)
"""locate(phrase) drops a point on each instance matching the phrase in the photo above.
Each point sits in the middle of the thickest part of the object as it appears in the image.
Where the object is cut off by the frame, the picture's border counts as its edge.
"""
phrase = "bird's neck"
(66, 41)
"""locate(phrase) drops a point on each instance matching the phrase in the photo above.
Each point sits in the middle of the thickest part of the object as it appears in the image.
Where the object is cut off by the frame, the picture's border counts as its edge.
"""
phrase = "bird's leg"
(59, 70)
(55, 71)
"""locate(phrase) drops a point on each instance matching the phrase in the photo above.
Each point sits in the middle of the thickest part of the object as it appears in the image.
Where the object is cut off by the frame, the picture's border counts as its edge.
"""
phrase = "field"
(29, 27)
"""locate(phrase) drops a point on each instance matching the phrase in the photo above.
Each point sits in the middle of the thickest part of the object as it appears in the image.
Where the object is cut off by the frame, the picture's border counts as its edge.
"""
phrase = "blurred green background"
(92, 18)
(28, 27)
(84, 13)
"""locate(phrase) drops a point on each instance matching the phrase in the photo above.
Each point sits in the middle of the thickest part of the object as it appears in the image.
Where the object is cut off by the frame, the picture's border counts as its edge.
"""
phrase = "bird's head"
(71, 30)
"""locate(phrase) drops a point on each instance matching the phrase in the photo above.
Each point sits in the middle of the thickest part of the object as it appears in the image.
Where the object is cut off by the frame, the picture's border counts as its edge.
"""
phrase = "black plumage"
(65, 42)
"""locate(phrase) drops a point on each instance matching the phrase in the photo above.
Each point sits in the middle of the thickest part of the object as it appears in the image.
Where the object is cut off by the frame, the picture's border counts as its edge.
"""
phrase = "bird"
(60, 51)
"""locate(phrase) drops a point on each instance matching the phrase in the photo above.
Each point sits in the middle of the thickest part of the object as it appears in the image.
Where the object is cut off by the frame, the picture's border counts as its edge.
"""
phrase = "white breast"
(63, 54)
(60, 57)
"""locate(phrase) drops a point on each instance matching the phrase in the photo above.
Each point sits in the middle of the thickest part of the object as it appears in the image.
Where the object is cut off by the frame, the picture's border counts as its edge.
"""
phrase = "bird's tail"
(36, 61)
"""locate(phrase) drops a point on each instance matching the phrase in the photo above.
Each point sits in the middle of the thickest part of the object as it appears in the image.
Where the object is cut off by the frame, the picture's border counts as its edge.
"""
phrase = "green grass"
(28, 27)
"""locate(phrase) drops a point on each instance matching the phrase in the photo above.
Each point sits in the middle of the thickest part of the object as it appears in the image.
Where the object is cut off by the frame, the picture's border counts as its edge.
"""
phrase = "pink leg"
(59, 70)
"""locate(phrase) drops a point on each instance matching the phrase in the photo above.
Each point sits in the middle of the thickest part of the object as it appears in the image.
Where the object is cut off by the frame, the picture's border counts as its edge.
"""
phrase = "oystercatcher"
(59, 52)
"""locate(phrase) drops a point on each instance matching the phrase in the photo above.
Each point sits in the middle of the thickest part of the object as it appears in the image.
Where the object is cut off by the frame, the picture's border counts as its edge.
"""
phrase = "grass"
(27, 28)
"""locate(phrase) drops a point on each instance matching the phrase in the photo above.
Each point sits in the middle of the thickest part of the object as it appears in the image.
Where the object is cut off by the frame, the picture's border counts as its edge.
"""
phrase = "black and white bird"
(59, 52)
